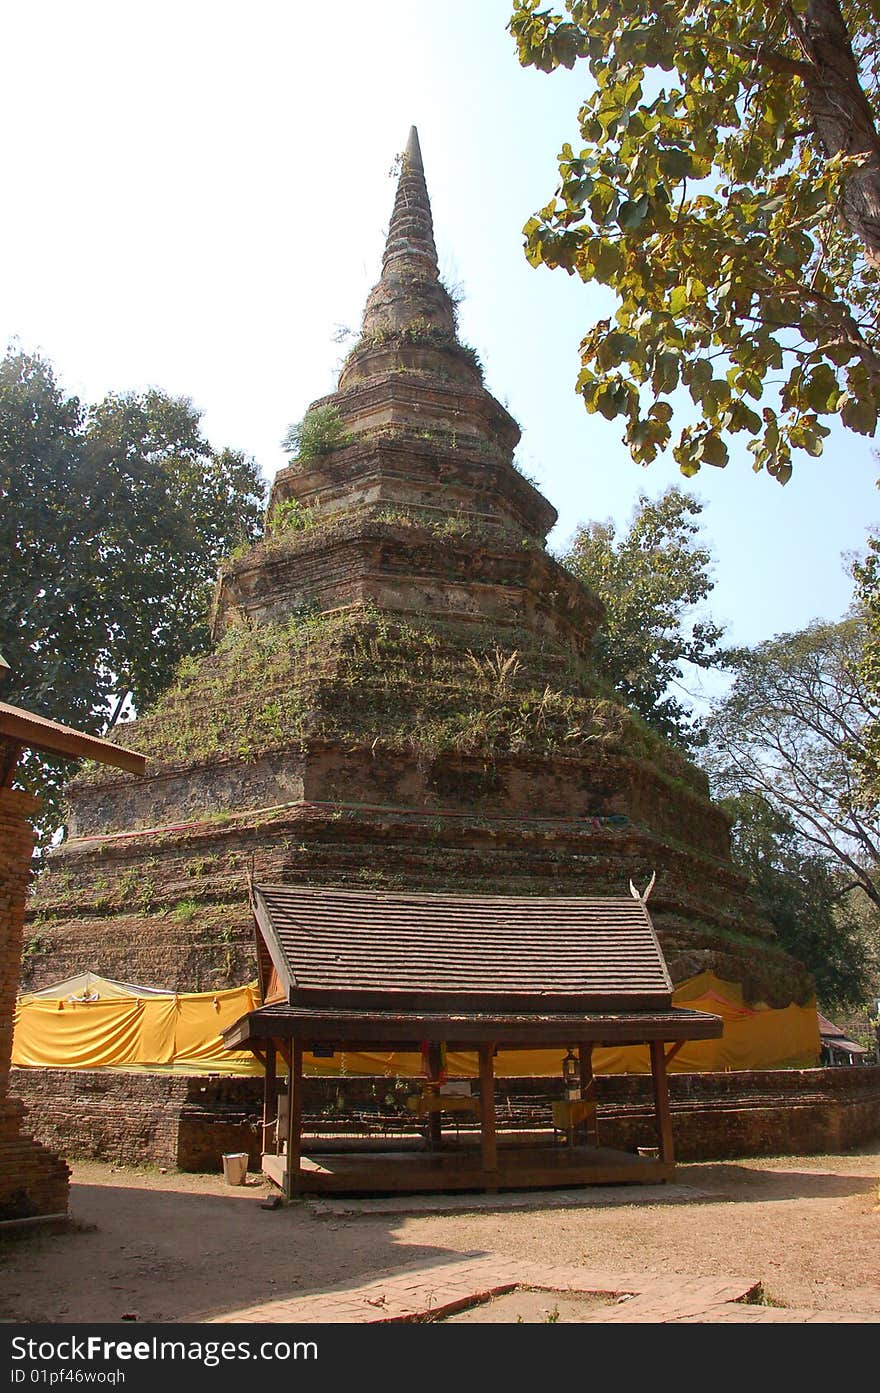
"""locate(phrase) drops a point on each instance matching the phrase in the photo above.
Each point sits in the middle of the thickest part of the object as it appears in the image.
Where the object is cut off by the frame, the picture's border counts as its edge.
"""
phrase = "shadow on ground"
(742, 1182)
(178, 1256)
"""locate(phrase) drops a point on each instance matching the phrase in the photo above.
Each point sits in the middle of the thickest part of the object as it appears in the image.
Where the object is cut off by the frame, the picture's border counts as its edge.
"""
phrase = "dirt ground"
(178, 1247)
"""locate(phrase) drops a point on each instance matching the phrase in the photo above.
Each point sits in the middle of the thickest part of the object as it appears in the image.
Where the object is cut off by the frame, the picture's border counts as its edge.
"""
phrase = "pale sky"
(196, 198)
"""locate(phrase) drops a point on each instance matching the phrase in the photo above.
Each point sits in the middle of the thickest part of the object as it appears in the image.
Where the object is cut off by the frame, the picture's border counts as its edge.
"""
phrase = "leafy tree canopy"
(790, 731)
(803, 896)
(866, 573)
(651, 580)
(112, 522)
(727, 190)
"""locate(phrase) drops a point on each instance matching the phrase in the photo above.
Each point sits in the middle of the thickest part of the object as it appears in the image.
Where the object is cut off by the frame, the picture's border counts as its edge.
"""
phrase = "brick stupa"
(403, 693)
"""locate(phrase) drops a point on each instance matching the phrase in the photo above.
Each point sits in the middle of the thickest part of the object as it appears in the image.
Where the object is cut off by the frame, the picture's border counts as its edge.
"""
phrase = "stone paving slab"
(353, 1206)
(427, 1293)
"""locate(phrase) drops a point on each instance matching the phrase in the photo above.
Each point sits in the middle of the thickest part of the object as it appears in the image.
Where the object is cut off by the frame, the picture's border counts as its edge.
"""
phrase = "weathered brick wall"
(190, 1122)
(750, 1113)
(32, 1181)
(163, 1119)
(16, 845)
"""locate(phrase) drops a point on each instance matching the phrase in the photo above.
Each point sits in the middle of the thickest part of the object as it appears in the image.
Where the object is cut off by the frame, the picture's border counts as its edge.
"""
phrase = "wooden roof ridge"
(428, 896)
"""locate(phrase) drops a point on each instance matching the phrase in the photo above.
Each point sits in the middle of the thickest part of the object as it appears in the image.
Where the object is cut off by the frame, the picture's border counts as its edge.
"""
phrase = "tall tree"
(168, 506)
(789, 731)
(49, 627)
(866, 573)
(112, 523)
(652, 581)
(804, 896)
(727, 190)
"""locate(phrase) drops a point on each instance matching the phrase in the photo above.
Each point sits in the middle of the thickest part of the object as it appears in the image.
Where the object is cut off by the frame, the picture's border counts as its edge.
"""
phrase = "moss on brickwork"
(409, 687)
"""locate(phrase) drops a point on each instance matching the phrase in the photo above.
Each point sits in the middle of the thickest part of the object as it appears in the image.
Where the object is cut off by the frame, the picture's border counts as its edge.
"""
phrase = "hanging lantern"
(571, 1071)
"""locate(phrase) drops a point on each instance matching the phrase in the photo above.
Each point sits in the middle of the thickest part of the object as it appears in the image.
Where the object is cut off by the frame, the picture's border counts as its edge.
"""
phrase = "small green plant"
(320, 431)
(185, 910)
(240, 550)
(36, 947)
(760, 1297)
(288, 517)
(552, 1316)
(452, 527)
(127, 883)
(497, 668)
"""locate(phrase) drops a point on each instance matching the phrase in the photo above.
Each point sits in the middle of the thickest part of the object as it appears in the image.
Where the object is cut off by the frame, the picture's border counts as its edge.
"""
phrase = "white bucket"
(235, 1164)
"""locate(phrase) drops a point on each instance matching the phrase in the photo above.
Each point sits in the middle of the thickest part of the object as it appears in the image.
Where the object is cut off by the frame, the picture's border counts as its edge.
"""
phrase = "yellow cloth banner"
(182, 1033)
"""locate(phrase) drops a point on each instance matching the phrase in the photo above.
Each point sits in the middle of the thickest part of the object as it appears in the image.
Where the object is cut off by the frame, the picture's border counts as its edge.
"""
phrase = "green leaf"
(676, 163)
(665, 375)
(632, 214)
(860, 415)
(713, 450)
(822, 388)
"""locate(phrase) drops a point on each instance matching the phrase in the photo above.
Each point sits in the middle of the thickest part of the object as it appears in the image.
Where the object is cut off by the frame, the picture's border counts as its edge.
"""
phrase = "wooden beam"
(488, 1141)
(38, 733)
(588, 1089)
(294, 1124)
(661, 1102)
(673, 1051)
(407, 1031)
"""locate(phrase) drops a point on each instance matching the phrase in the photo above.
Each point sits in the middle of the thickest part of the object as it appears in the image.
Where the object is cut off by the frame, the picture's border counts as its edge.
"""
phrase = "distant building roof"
(833, 1036)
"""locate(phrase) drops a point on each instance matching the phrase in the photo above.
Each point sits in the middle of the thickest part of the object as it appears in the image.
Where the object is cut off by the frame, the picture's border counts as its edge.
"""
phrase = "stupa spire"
(409, 296)
(411, 230)
(413, 152)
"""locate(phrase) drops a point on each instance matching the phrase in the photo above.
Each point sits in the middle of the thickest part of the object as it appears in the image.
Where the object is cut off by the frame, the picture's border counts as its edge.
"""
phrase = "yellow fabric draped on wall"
(175, 1032)
(181, 1033)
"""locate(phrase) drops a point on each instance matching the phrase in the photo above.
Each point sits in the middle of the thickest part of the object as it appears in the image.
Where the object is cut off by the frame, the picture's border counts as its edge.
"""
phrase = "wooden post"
(661, 1102)
(488, 1143)
(284, 1049)
(435, 1136)
(270, 1096)
(588, 1089)
(294, 1123)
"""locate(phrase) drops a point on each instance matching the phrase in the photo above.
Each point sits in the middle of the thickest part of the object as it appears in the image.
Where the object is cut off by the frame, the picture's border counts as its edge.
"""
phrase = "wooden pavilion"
(350, 970)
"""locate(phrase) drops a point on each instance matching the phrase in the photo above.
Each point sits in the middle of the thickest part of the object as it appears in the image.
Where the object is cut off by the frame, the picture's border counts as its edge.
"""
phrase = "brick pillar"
(32, 1179)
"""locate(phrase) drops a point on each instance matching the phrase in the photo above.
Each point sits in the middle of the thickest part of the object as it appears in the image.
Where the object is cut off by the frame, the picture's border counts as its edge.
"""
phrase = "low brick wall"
(188, 1122)
(772, 1112)
(167, 1119)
